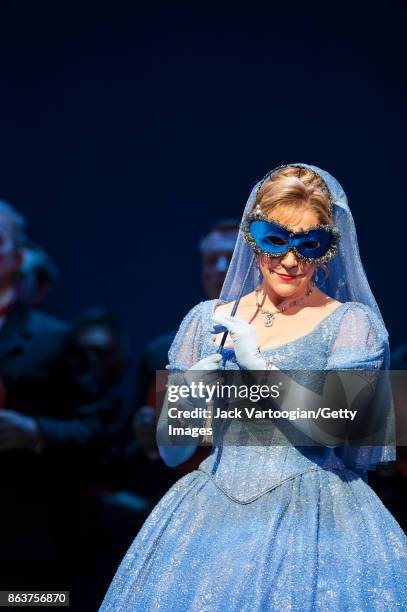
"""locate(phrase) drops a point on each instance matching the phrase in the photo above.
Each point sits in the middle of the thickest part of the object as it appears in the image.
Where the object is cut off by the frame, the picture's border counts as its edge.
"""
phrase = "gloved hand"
(202, 370)
(243, 336)
(205, 370)
(212, 362)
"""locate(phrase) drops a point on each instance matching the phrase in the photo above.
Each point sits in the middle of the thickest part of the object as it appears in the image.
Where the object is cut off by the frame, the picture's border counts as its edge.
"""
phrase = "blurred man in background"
(52, 424)
(37, 274)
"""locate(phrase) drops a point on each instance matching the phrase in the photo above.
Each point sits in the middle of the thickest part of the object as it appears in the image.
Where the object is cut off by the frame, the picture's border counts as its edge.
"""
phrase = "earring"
(258, 274)
(325, 270)
(315, 277)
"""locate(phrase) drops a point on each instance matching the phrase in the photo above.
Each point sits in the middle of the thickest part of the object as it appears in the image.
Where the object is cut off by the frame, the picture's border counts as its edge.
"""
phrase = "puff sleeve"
(183, 354)
(361, 343)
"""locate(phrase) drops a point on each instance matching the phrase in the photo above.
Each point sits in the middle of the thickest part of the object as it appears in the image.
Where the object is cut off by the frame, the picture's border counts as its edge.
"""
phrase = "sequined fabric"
(276, 528)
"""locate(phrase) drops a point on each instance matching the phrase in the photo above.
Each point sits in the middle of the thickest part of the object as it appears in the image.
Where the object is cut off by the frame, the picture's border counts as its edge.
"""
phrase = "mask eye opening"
(311, 244)
(276, 240)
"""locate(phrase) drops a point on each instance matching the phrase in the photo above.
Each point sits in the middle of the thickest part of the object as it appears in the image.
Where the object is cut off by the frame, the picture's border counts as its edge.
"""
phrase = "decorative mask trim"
(257, 215)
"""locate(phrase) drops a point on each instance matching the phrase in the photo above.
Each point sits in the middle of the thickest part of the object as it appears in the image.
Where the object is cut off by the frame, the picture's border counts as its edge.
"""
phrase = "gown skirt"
(319, 541)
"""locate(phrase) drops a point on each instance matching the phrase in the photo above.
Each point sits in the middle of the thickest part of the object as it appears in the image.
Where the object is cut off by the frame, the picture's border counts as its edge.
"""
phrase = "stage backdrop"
(126, 132)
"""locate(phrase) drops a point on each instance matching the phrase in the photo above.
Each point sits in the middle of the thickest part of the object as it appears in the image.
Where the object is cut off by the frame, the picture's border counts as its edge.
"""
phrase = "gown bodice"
(244, 472)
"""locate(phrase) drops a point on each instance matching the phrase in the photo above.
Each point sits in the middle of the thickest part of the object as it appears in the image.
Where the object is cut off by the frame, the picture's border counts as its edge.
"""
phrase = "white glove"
(243, 336)
(208, 363)
(174, 455)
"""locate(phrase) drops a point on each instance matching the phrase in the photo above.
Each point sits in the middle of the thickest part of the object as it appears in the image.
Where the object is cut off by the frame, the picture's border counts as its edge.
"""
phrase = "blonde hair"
(297, 188)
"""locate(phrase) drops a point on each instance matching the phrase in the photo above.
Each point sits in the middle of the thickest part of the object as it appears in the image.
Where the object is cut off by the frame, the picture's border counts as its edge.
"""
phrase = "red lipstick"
(286, 277)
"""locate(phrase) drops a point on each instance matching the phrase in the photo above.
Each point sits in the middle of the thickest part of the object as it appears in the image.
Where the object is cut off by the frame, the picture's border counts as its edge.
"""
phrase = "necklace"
(270, 315)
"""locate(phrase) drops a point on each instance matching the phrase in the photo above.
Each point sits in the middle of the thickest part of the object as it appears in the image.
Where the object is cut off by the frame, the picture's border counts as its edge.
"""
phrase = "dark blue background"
(126, 131)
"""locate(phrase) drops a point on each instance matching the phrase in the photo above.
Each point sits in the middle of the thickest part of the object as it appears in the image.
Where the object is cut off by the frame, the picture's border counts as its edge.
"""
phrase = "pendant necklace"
(270, 315)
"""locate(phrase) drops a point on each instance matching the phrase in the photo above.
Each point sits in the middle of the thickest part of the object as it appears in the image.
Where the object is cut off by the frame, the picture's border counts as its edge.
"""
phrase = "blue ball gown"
(273, 528)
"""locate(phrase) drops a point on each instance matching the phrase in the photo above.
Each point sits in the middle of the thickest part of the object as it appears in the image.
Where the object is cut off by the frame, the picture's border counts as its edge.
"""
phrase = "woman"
(277, 527)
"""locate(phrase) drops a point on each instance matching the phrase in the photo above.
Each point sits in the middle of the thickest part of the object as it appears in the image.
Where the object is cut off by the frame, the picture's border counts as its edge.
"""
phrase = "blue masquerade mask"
(315, 245)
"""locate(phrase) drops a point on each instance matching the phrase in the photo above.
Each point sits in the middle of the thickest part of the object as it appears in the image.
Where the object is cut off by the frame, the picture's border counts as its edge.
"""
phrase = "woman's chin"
(285, 289)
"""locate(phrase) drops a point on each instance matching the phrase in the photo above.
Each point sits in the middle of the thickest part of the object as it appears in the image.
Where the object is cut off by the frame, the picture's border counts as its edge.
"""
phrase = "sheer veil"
(346, 282)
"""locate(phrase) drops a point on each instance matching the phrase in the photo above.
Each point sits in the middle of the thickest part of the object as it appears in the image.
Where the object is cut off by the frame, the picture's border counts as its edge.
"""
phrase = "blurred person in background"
(53, 420)
(108, 511)
(98, 334)
(37, 274)
(216, 251)
(99, 340)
